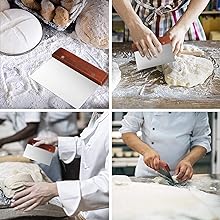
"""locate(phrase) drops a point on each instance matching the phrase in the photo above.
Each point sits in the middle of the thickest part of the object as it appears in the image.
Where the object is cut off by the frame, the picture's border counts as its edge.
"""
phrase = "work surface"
(147, 88)
(17, 90)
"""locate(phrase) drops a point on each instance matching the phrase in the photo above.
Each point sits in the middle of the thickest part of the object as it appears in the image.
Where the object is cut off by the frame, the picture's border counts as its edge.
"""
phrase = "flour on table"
(150, 201)
(116, 75)
(20, 31)
(187, 71)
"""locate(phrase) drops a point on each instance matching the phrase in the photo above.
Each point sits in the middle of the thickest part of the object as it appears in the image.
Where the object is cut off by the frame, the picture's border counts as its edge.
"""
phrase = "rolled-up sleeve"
(70, 148)
(85, 195)
(132, 122)
(201, 132)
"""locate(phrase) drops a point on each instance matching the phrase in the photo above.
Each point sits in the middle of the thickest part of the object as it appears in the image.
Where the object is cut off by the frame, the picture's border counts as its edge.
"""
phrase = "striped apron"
(160, 15)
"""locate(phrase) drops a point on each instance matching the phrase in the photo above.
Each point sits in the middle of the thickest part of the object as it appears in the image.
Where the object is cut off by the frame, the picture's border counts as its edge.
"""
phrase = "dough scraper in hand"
(164, 171)
(41, 154)
(165, 56)
(69, 77)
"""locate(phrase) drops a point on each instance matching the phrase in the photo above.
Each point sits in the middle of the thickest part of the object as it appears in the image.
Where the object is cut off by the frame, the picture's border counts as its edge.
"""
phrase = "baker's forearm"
(135, 143)
(25, 133)
(195, 154)
(195, 8)
(126, 12)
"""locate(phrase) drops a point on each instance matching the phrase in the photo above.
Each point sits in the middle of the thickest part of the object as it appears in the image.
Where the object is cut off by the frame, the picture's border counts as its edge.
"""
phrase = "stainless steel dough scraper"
(69, 77)
(165, 57)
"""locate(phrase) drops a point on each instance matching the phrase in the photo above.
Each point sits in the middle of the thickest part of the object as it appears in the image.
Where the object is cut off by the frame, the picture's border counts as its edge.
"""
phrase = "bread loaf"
(47, 10)
(61, 17)
(92, 24)
(20, 31)
(32, 4)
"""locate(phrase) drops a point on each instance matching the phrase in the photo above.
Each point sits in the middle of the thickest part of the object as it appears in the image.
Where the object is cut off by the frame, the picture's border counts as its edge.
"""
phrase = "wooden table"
(142, 96)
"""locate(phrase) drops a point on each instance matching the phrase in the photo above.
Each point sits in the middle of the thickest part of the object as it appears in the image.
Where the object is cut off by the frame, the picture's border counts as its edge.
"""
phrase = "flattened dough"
(187, 71)
(20, 31)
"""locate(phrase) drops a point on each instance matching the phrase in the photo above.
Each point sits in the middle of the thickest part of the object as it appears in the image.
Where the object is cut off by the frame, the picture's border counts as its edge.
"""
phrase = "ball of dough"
(4, 5)
(61, 17)
(47, 10)
(20, 31)
(187, 71)
(32, 4)
(92, 25)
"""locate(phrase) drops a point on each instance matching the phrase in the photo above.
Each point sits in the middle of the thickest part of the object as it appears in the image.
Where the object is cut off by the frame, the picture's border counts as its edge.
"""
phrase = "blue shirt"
(170, 134)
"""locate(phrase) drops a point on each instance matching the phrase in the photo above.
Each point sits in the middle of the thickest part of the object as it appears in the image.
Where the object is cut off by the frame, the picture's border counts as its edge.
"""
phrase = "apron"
(160, 15)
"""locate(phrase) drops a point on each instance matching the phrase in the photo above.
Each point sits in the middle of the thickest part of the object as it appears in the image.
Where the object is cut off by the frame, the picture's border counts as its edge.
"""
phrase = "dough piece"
(13, 175)
(93, 23)
(61, 17)
(121, 180)
(4, 5)
(116, 75)
(32, 4)
(192, 50)
(150, 201)
(187, 71)
(20, 31)
(47, 10)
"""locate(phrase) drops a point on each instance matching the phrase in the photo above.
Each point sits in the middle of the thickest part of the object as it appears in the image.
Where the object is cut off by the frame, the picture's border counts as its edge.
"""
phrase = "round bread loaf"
(20, 31)
(92, 24)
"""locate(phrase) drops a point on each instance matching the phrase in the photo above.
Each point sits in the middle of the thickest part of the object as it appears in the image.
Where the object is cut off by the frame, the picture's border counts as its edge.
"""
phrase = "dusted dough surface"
(20, 31)
(187, 71)
(92, 24)
(150, 201)
(4, 5)
(14, 174)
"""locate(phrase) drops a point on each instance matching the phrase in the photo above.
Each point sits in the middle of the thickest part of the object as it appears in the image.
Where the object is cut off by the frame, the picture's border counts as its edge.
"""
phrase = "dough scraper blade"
(166, 56)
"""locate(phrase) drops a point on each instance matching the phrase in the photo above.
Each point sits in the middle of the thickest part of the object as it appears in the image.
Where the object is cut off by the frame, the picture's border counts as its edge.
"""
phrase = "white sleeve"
(201, 131)
(70, 148)
(85, 195)
(31, 117)
(132, 122)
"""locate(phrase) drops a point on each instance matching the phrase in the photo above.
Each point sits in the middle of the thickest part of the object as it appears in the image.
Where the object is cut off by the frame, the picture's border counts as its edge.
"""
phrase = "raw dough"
(4, 5)
(116, 75)
(14, 174)
(61, 17)
(47, 10)
(187, 71)
(192, 50)
(20, 31)
(32, 4)
(92, 24)
(150, 201)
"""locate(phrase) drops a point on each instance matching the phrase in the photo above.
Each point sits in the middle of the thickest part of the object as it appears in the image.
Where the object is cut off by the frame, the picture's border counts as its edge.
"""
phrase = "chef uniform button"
(170, 112)
(152, 142)
(153, 128)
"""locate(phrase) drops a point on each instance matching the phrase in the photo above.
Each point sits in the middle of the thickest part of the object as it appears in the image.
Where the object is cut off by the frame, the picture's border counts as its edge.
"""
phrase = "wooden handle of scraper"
(163, 40)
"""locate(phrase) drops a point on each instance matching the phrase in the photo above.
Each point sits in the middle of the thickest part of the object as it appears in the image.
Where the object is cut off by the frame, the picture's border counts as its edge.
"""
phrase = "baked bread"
(56, 2)
(32, 4)
(92, 25)
(61, 17)
(69, 4)
(47, 10)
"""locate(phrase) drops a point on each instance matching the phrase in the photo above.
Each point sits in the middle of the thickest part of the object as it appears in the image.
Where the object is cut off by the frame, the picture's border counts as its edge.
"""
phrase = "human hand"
(145, 40)
(51, 141)
(184, 170)
(177, 36)
(152, 159)
(34, 195)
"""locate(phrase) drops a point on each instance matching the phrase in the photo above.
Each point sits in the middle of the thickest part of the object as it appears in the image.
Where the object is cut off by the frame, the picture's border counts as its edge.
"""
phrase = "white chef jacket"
(171, 134)
(60, 123)
(91, 192)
